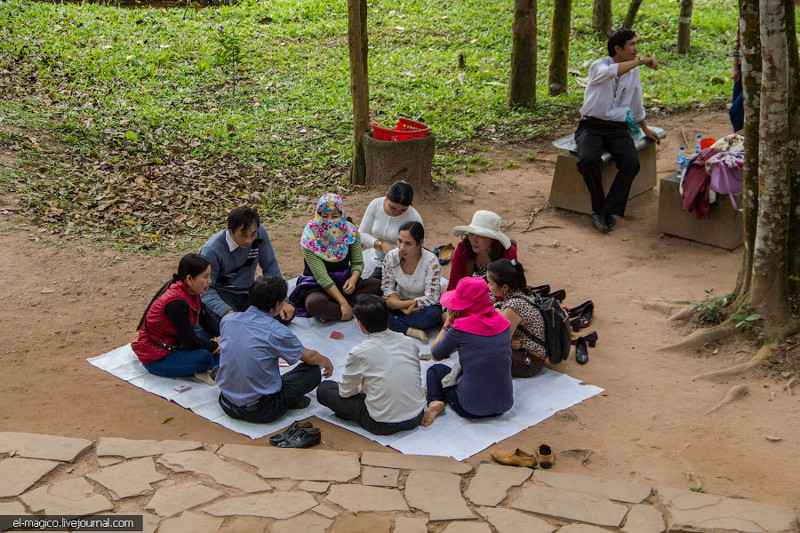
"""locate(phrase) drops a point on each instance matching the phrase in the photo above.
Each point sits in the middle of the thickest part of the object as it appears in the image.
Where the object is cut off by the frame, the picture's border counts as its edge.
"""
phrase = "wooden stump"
(390, 161)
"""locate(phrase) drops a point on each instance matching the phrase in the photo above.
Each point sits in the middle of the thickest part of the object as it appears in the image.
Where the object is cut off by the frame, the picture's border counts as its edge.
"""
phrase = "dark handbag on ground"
(525, 364)
(557, 329)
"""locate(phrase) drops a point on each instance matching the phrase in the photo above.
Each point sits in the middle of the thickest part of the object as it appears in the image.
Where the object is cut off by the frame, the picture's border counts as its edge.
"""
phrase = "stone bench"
(724, 229)
(568, 190)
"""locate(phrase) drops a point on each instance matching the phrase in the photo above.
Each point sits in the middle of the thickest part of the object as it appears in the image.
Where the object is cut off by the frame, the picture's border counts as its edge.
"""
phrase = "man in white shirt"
(613, 88)
(381, 388)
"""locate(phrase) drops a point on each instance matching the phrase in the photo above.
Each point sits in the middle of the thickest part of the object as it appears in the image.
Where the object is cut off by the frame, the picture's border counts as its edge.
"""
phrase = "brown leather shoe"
(514, 458)
(545, 455)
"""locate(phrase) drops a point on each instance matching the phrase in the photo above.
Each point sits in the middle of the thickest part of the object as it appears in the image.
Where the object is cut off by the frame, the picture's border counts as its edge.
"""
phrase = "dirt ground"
(63, 302)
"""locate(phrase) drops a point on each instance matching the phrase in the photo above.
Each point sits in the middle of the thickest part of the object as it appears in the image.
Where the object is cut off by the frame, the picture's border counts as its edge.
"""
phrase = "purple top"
(485, 388)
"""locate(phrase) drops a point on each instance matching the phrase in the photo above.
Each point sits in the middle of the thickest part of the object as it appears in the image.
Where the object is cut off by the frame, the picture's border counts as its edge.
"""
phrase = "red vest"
(158, 333)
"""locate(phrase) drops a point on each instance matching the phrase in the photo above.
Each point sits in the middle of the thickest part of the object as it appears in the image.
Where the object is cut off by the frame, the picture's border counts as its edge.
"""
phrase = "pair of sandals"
(580, 316)
(298, 435)
(544, 457)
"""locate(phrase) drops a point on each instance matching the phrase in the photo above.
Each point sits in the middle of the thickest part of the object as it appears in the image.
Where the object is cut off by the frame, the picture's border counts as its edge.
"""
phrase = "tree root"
(736, 393)
(703, 337)
(756, 360)
(667, 307)
(683, 314)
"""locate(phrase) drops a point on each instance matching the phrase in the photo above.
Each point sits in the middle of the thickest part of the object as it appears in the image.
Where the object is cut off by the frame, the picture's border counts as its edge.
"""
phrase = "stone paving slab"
(360, 498)
(194, 522)
(35, 446)
(406, 524)
(11, 508)
(566, 505)
(244, 524)
(169, 501)
(302, 465)
(491, 483)
(692, 511)
(468, 527)
(325, 511)
(415, 462)
(278, 505)
(581, 528)
(18, 474)
(73, 496)
(379, 477)
(305, 523)
(131, 478)
(438, 494)
(644, 519)
(207, 463)
(314, 486)
(612, 489)
(132, 449)
(511, 521)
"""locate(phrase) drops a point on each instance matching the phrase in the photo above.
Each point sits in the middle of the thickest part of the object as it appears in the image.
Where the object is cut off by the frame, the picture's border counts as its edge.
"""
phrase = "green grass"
(122, 94)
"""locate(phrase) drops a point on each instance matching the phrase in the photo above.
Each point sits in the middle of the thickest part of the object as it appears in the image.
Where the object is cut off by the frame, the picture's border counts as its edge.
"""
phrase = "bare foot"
(417, 334)
(434, 409)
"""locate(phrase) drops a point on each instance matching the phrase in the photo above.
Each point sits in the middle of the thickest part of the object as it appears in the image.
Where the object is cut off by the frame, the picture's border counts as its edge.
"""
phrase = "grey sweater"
(223, 262)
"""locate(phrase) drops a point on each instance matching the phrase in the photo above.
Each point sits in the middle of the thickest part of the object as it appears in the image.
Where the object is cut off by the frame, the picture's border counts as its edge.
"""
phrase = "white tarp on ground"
(535, 399)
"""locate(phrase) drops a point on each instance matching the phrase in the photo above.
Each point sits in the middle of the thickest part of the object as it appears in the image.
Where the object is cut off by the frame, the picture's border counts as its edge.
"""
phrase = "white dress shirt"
(609, 97)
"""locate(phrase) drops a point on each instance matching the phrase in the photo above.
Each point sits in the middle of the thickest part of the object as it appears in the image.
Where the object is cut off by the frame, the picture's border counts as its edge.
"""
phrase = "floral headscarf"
(329, 239)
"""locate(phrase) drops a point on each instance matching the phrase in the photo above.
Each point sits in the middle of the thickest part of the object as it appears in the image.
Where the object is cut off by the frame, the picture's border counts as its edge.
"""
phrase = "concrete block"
(568, 190)
(724, 228)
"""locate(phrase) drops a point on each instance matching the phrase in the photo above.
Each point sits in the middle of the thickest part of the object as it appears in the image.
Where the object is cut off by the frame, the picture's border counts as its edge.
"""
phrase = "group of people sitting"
(214, 321)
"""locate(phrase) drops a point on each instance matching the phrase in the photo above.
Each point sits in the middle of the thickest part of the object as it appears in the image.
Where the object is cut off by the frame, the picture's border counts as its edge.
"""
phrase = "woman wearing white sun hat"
(482, 242)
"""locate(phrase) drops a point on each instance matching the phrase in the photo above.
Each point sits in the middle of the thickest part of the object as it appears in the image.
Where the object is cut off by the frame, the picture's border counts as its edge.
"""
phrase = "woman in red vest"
(167, 344)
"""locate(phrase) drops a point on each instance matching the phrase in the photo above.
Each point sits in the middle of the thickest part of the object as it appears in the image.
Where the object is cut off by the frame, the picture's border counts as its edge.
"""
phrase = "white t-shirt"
(609, 97)
(424, 285)
(376, 224)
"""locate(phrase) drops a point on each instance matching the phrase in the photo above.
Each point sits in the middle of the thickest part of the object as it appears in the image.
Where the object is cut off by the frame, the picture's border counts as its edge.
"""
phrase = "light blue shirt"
(251, 343)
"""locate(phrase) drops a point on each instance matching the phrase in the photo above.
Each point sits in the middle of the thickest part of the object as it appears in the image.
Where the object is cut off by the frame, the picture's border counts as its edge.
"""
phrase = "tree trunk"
(522, 84)
(751, 87)
(630, 17)
(685, 26)
(359, 84)
(769, 291)
(601, 16)
(559, 47)
(794, 148)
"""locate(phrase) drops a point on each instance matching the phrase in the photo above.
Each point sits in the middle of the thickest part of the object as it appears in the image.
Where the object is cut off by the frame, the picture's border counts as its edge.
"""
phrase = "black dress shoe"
(540, 289)
(599, 222)
(578, 309)
(581, 351)
(559, 295)
(302, 438)
(610, 221)
(291, 430)
(591, 339)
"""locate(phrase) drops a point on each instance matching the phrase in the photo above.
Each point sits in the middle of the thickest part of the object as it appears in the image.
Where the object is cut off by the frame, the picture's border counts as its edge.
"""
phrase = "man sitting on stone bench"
(613, 88)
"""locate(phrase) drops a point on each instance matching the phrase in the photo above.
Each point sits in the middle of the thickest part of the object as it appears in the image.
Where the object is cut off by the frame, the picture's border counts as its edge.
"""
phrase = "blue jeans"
(427, 317)
(736, 112)
(448, 395)
(183, 363)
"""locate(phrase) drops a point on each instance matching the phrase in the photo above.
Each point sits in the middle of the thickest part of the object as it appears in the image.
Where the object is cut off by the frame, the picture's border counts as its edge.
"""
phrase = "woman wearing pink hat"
(481, 243)
(482, 337)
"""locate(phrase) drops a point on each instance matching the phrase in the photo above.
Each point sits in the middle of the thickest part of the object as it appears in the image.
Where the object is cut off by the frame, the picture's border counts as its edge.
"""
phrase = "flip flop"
(444, 253)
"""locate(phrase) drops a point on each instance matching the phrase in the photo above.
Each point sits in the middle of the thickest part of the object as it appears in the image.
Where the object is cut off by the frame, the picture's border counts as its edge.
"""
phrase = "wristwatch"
(379, 243)
(641, 62)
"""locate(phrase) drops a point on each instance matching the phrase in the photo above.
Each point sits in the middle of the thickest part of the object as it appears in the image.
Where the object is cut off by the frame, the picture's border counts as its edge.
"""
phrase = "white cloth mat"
(535, 399)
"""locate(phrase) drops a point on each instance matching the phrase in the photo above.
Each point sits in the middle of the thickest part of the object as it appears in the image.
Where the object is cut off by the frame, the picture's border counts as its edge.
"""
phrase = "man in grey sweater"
(234, 253)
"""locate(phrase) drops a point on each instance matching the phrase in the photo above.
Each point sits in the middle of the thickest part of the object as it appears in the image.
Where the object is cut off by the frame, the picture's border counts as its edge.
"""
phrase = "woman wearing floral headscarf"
(331, 279)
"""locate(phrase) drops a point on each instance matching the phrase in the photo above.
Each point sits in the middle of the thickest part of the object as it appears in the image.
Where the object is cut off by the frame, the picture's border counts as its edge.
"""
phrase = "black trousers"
(353, 408)
(594, 136)
(296, 384)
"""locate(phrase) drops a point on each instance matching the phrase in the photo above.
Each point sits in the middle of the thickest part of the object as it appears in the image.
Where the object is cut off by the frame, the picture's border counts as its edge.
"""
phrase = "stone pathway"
(189, 486)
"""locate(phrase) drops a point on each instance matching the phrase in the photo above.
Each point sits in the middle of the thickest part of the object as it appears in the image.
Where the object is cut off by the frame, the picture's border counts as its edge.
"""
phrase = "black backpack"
(557, 330)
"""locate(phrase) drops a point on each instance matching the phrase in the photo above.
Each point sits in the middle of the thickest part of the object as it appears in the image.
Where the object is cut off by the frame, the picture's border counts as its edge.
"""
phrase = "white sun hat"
(486, 224)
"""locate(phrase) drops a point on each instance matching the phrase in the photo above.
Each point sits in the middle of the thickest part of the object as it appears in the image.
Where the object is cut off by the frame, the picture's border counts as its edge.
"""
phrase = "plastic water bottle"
(697, 145)
(680, 163)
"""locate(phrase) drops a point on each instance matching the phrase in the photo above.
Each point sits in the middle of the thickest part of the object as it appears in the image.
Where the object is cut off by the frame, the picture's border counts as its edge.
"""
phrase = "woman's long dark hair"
(401, 193)
(190, 265)
(495, 251)
(507, 272)
(414, 228)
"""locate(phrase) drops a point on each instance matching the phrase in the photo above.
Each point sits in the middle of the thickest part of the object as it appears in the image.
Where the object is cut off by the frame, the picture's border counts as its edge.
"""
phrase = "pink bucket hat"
(470, 293)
